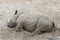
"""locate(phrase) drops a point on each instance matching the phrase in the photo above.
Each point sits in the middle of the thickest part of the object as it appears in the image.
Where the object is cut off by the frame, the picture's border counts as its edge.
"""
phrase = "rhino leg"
(18, 27)
(37, 31)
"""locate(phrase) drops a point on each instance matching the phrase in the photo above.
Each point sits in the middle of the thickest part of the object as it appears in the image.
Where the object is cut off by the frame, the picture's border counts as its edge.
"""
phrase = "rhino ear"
(15, 12)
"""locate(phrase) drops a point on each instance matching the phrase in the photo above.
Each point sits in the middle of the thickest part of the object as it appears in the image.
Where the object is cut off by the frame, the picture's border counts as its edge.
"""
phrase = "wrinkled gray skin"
(33, 23)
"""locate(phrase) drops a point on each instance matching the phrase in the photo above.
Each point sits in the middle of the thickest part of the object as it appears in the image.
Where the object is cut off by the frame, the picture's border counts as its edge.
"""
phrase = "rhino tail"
(53, 24)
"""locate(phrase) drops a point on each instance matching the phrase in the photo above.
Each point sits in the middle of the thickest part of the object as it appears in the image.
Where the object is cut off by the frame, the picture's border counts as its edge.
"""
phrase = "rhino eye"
(15, 12)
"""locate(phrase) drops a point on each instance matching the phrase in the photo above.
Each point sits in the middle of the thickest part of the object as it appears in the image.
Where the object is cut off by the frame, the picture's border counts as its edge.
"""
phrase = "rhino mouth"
(11, 24)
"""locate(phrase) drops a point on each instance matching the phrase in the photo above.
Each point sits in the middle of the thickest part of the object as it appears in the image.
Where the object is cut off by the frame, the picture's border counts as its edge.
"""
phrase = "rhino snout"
(11, 24)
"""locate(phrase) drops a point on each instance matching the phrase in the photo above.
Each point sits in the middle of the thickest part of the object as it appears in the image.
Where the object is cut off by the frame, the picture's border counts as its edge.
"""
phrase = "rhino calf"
(33, 23)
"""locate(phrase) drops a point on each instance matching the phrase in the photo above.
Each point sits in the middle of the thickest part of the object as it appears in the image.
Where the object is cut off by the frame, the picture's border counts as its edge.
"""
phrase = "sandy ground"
(47, 8)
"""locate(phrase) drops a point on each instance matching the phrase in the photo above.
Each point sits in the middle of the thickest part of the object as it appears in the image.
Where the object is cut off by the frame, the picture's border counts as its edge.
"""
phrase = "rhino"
(32, 23)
